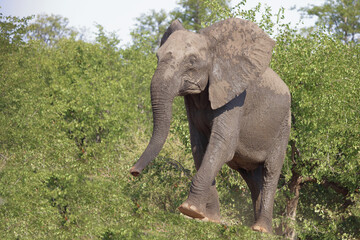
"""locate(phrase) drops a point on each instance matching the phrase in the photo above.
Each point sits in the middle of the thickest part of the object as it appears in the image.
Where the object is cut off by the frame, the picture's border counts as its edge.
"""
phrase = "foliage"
(150, 28)
(50, 29)
(341, 17)
(325, 106)
(12, 30)
(322, 74)
(265, 21)
(192, 13)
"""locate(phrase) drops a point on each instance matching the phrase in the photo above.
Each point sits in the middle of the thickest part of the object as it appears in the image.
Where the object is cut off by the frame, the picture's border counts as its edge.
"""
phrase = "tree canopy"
(193, 14)
(341, 17)
(151, 27)
(50, 29)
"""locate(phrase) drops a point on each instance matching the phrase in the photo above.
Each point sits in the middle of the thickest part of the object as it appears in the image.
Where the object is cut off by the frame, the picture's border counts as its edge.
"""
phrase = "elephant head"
(227, 57)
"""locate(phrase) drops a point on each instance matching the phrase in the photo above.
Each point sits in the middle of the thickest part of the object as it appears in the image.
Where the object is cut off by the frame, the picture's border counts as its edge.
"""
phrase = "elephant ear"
(241, 53)
(174, 26)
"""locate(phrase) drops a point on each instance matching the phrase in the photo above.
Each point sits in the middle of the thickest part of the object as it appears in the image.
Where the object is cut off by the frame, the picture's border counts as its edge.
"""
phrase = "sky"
(120, 15)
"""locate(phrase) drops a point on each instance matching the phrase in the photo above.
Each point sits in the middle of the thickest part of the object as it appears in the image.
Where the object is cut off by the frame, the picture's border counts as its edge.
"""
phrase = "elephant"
(238, 110)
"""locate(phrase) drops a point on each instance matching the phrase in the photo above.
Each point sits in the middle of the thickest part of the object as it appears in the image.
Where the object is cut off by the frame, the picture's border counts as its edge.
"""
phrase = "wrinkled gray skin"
(238, 111)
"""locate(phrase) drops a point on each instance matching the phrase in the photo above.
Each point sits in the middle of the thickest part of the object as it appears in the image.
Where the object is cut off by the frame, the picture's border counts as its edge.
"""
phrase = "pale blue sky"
(119, 15)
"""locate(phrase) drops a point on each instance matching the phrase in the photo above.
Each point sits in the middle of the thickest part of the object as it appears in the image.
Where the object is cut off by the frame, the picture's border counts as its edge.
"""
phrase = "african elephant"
(238, 111)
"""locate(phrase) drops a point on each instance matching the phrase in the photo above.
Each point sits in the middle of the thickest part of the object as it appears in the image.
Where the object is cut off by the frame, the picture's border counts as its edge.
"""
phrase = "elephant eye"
(192, 59)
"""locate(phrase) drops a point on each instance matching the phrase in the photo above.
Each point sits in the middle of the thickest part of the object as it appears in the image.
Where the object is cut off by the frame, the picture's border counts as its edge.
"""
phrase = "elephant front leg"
(203, 202)
(212, 205)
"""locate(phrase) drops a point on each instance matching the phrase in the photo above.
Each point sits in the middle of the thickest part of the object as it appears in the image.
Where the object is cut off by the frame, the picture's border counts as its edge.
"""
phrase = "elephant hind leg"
(254, 180)
(260, 190)
(262, 184)
(265, 202)
(271, 174)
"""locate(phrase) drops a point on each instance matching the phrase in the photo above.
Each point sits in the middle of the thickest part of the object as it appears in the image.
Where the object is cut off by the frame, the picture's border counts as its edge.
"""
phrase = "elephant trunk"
(162, 97)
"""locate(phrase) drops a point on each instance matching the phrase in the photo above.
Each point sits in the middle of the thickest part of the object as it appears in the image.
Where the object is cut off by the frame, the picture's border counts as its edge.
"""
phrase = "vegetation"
(150, 28)
(340, 17)
(50, 29)
(323, 159)
(76, 115)
(193, 13)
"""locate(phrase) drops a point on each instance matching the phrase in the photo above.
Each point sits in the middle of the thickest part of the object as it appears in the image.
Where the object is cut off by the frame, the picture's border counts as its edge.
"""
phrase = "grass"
(57, 195)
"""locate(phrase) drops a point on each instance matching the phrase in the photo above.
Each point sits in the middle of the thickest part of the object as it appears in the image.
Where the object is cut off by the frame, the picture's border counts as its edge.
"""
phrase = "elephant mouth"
(190, 87)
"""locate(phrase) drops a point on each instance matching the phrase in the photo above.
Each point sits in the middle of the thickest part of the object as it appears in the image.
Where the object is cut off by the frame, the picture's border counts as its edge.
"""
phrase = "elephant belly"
(252, 150)
(260, 131)
(240, 161)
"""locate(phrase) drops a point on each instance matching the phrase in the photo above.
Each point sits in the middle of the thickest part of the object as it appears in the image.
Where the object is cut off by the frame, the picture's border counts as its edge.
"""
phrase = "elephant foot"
(214, 220)
(193, 212)
(259, 229)
(262, 224)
